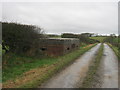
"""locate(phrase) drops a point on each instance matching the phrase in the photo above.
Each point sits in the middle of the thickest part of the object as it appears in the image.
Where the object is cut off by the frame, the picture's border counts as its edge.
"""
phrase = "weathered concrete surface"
(73, 75)
(110, 68)
(58, 46)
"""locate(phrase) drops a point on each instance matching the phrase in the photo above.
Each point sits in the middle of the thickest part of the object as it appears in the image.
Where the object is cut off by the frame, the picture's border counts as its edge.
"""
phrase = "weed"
(93, 69)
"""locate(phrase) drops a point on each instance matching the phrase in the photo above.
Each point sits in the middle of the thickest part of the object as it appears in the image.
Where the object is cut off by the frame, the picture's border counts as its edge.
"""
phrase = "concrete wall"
(58, 46)
(71, 45)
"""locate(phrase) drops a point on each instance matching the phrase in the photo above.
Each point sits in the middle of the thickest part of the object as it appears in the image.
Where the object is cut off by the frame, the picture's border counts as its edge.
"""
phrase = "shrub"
(20, 38)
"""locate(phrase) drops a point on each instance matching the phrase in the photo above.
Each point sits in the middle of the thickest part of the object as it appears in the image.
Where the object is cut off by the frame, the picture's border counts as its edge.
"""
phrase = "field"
(101, 39)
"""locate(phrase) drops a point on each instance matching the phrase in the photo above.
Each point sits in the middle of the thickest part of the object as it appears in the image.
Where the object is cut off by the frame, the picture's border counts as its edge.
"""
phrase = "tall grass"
(115, 49)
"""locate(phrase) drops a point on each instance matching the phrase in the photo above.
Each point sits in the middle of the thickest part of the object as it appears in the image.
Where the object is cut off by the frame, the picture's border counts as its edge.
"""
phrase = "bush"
(20, 38)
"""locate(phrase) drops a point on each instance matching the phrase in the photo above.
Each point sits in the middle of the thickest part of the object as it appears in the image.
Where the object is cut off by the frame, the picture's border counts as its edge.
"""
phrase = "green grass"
(93, 69)
(115, 49)
(117, 40)
(101, 39)
(17, 68)
(13, 72)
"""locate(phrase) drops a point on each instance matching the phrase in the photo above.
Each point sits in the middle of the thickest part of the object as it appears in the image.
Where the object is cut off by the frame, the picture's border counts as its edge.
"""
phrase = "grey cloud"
(65, 16)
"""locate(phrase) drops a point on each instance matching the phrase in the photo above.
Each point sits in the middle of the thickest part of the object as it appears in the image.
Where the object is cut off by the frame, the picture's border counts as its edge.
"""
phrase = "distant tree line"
(53, 36)
(20, 38)
(84, 37)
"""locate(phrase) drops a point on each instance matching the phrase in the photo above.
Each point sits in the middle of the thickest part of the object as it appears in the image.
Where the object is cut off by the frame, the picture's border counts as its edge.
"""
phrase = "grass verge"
(93, 69)
(115, 49)
(37, 73)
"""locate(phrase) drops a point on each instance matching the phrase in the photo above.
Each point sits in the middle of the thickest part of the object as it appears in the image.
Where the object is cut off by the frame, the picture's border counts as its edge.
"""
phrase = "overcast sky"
(60, 17)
